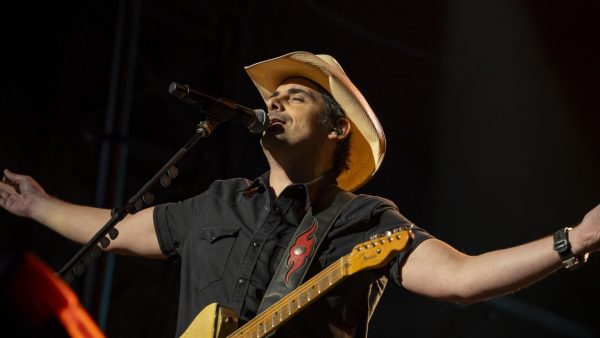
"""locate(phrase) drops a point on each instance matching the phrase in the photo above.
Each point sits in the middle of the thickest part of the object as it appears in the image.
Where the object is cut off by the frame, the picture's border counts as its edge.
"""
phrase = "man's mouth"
(275, 121)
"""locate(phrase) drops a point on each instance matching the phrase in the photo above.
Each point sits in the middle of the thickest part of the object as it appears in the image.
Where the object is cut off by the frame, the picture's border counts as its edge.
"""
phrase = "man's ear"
(340, 130)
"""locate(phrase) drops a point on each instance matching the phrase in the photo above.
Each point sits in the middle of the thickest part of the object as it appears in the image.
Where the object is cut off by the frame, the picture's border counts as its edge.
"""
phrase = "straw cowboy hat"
(367, 144)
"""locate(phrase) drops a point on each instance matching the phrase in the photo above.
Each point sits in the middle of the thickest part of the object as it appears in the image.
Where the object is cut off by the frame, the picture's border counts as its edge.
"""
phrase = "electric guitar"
(216, 321)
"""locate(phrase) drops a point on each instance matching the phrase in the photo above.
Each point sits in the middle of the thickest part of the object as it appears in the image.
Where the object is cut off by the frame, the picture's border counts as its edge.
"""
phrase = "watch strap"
(562, 246)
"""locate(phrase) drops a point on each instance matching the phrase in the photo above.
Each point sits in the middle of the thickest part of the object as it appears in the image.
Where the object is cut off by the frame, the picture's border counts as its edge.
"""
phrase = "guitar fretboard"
(292, 303)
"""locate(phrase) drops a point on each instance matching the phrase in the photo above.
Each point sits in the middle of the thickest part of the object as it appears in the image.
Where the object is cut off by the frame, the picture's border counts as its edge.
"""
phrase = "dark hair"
(341, 155)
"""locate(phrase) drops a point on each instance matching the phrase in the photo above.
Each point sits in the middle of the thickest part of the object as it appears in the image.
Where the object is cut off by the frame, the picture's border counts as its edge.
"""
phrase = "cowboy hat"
(367, 144)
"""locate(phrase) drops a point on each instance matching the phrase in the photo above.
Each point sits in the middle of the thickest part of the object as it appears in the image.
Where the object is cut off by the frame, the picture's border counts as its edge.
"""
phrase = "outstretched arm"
(23, 196)
(437, 270)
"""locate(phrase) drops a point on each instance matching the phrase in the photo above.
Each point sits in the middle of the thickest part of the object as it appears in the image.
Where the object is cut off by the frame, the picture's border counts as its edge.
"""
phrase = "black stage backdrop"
(490, 111)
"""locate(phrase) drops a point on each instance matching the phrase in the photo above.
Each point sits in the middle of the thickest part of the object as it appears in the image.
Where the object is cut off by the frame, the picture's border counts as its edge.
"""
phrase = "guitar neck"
(293, 302)
(367, 255)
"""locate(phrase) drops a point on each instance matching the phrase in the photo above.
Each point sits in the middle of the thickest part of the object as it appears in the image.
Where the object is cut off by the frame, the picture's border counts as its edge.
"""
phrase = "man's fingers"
(4, 194)
(13, 177)
(13, 180)
(7, 181)
(7, 188)
(4, 198)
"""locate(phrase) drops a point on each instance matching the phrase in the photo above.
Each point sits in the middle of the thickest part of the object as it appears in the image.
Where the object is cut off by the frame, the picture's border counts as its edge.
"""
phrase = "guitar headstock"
(377, 251)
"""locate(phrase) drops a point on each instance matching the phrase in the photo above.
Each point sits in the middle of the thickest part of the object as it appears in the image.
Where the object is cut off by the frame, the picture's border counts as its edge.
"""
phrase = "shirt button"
(241, 281)
(255, 244)
(276, 210)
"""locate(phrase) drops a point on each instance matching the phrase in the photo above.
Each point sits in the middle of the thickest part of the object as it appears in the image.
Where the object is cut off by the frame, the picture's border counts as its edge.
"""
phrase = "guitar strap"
(305, 244)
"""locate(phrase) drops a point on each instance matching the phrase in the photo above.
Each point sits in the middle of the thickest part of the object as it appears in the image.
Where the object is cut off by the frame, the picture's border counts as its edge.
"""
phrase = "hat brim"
(367, 143)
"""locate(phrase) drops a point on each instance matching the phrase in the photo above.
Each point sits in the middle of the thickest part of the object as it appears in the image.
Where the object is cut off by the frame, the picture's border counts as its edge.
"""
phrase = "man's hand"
(19, 194)
(23, 196)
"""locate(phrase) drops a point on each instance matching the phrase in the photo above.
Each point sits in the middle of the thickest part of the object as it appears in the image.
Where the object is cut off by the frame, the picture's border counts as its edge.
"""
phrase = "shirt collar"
(259, 184)
(313, 189)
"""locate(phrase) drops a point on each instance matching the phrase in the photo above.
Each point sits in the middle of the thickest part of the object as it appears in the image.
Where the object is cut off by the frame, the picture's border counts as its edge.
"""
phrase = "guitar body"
(214, 321)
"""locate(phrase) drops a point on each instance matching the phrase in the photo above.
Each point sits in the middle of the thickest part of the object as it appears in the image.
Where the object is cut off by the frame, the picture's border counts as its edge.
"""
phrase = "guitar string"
(286, 300)
(337, 266)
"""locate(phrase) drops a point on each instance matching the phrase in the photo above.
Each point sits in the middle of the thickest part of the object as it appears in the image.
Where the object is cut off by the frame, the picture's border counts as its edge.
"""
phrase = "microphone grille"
(263, 121)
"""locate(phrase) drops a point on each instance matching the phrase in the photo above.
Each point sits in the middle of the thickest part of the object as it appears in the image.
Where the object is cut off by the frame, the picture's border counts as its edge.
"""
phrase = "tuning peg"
(113, 233)
(139, 204)
(173, 172)
(148, 198)
(87, 260)
(165, 181)
(78, 269)
(69, 278)
(104, 242)
(96, 251)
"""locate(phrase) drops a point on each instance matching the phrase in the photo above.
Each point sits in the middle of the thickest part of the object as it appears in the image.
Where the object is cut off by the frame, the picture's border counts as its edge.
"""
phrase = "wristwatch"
(563, 247)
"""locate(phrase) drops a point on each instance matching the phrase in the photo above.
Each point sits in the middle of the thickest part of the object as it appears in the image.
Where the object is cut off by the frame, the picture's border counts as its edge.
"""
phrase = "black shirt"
(230, 240)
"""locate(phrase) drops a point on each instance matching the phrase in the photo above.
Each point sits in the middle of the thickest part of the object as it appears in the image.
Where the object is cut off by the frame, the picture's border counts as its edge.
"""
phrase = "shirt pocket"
(213, 251)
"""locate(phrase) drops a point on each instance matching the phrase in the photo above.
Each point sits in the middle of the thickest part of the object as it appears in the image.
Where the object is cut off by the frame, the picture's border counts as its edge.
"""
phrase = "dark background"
(490, 111)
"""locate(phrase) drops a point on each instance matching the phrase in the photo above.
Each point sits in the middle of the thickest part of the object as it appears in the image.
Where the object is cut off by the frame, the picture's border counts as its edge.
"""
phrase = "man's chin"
(276, 128)
(272, 141)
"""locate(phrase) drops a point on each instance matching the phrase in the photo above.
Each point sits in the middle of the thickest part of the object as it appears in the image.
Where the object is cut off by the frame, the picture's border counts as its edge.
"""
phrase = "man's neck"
(280, 176)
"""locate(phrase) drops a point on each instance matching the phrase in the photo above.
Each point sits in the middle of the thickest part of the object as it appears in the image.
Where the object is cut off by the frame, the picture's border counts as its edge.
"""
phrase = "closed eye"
(299, 95)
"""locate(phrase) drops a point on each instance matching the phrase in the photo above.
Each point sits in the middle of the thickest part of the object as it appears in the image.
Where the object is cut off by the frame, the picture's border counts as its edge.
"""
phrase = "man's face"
(296, 113)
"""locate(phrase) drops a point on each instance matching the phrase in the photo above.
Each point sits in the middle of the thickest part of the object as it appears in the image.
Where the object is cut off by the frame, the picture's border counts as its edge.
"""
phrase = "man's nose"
(274, 105)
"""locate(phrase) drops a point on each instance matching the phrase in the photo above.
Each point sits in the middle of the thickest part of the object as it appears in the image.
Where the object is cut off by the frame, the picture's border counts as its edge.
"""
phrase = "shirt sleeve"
(174, 221)
(386, 217)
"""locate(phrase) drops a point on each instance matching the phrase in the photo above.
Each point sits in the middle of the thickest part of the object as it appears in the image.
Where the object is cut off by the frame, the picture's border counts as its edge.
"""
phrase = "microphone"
(255, 120)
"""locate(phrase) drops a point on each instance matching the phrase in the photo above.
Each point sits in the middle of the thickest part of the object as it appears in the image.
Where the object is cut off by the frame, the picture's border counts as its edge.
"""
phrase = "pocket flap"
(214, 234)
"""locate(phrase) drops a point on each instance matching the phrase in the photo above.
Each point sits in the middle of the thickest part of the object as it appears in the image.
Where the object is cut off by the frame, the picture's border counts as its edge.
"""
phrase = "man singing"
(323, 141)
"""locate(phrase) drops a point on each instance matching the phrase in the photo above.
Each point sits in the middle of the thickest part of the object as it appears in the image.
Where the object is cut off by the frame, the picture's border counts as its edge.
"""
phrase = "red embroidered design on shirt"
(301, 249)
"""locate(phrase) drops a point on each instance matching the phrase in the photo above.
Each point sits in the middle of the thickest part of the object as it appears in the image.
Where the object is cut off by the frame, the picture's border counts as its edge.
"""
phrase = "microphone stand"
(93, 248)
